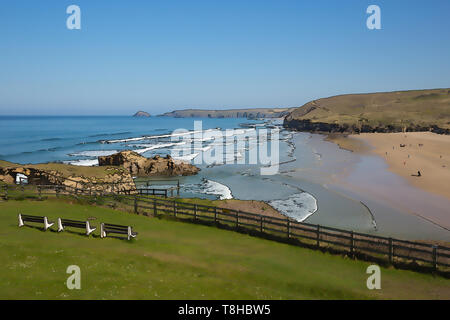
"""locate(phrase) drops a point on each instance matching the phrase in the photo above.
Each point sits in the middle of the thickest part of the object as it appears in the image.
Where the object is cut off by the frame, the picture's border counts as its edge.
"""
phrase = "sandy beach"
(408, 153)
(399, 184)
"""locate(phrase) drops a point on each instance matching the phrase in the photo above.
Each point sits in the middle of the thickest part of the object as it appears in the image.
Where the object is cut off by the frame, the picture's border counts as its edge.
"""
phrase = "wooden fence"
(360, 245)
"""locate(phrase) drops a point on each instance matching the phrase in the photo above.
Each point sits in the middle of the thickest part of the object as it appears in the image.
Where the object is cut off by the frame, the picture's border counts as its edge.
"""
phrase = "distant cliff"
(418, 110)
(232, 113)
(141, 114)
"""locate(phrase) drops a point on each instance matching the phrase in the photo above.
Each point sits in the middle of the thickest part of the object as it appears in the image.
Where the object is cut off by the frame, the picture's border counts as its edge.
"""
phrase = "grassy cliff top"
(175, 260)
(400, 108)
(69, 170)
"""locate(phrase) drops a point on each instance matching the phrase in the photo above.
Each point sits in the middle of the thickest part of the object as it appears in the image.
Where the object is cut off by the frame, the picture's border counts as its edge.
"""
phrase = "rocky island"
(142, 114)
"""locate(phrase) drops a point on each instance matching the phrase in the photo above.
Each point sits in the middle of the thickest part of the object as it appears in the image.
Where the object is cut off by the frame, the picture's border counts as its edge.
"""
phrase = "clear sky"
(164, 55)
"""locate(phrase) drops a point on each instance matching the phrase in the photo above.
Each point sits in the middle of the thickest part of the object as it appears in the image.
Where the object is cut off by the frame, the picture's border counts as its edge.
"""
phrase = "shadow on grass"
(413, 266)
(78, 233)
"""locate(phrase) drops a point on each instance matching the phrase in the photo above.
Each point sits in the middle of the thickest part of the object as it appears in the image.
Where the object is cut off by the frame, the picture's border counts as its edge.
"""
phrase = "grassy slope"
(420, 107)
(175, 260)
(70, 170)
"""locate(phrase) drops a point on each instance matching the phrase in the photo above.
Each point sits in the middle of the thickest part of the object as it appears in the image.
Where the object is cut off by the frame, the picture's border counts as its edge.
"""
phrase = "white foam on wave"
(148, 147)
(93, 153)
(83, 162)
(299, 206)
(218, 189)
(225, 133)
(187, 157)
(157, 136)
(203, 149)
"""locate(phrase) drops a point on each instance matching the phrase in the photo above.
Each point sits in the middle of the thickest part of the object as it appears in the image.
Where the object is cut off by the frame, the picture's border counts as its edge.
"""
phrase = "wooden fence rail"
(379, 248)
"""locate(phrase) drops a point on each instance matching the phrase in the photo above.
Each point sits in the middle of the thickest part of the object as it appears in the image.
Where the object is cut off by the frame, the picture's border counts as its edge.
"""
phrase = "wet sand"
(399, 209)
(387, 173)
(426, 152)
(251, 206)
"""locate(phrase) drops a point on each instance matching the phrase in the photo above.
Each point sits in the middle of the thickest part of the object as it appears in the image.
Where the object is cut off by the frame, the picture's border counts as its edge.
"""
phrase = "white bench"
(106, 228)
(34, 219)
(63, 223)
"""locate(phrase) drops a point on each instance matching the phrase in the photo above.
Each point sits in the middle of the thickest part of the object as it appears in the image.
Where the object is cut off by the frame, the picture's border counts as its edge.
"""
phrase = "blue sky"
(164, 55)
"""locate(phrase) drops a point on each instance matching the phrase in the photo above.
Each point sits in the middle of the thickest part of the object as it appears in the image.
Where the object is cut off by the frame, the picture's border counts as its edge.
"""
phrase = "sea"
(299, 186)
(79, 140)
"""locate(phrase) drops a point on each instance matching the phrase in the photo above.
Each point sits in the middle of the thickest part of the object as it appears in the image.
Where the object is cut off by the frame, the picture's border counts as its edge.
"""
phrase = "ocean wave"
(93, 153)
(148, 147)
(155, 136)
(108, 134)
(298, 206)
(86, 142)
(215, 188)
(206, 187)
(188, 157)
(83, 162)
(225, 133)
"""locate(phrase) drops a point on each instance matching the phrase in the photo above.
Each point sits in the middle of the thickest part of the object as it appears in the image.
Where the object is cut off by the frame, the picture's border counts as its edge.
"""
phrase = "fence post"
(195, 212)
(318, 236)
(178, 188)
(435, 257)
(237, 219)
(391, 251)
(57, 191)
(288, 228)
(40, 193)
(154, 207)
(175, 209)
(261, 228)
(135, 205)
(6, 193)
(215, 214)
(352, 244)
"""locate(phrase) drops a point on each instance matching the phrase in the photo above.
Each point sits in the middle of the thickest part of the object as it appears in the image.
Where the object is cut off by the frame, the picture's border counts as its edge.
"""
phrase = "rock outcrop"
(138, 165)
(323, 127)
(110, 179)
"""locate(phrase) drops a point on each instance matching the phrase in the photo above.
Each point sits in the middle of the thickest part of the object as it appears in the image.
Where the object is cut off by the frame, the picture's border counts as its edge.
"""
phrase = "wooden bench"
(34, 219)
(63, 223)
(106, 228)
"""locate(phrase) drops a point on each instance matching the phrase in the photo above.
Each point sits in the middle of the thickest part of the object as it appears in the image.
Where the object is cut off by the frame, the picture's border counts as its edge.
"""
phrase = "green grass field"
(177, 260)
